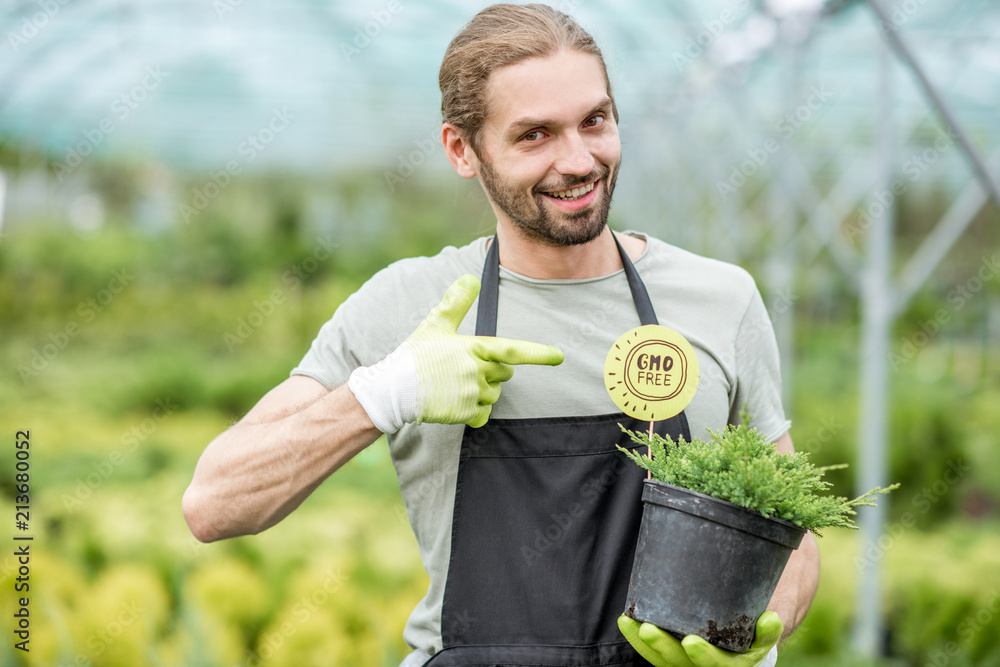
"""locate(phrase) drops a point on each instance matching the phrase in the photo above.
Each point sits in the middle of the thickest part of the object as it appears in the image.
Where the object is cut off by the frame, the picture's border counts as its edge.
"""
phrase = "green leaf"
(739, 466)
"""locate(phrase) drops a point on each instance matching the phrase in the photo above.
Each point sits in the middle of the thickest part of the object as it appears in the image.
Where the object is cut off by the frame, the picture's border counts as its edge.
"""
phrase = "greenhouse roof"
(320, 87)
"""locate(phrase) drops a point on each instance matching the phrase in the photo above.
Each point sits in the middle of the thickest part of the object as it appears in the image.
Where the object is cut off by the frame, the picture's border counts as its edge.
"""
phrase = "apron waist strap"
(619, 654)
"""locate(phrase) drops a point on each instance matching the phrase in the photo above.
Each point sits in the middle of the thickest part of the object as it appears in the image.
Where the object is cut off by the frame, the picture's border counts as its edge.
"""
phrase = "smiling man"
(529, 540)
(560, 200)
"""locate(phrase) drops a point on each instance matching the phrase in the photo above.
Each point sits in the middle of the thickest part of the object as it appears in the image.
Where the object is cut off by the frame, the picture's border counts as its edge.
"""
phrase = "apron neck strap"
(489, 294)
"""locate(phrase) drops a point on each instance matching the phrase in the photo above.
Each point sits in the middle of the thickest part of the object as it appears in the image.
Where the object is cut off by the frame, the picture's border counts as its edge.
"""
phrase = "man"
(529, 543)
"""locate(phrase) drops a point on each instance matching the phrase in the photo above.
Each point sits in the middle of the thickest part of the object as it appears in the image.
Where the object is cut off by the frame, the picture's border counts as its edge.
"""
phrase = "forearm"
(257, 472)
(797, 585)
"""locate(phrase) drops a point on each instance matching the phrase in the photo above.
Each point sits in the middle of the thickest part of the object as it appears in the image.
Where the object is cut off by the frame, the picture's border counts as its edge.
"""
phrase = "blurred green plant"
(107, 537)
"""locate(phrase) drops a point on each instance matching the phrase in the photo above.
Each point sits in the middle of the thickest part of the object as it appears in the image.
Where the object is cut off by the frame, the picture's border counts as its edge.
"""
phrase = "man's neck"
(533, 259)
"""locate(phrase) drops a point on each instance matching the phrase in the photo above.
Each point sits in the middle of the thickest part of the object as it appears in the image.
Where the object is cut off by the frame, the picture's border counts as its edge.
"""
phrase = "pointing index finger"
(510, 351)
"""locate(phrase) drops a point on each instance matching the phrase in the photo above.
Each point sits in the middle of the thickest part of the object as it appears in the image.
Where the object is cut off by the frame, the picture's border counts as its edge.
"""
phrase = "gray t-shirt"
(715, 305)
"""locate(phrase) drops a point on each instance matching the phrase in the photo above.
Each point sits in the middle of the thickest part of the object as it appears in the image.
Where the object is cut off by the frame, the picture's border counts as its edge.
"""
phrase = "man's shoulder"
(669, 263)
(390, 304)
(414, 274)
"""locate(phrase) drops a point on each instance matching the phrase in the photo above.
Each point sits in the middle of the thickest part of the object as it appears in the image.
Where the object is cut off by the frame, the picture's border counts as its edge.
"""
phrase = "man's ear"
(459, 151)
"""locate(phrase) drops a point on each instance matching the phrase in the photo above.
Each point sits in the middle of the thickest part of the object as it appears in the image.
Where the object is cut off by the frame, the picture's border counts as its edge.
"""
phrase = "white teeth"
(573, 193)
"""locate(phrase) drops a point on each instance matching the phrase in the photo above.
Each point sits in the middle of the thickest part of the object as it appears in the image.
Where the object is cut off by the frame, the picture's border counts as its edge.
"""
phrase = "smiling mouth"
(572, 193)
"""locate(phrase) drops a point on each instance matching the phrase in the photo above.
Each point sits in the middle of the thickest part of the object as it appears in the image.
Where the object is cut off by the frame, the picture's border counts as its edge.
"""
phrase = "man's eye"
(534, 135)
(594, 121)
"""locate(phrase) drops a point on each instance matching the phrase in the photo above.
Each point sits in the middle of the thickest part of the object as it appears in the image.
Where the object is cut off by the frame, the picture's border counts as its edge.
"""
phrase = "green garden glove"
(439, 376)
(662, 649)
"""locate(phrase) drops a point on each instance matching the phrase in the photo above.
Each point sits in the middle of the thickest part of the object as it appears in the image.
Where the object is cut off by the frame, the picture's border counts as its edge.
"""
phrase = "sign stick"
(649, 451)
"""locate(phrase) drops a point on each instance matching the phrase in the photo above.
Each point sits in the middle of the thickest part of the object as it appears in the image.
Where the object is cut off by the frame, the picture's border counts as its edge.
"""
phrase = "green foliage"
(942, 417)
(106, 540)
(942, 607)
(739, 466)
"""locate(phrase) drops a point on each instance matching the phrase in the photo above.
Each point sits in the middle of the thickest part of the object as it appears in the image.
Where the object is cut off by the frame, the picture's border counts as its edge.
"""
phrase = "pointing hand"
(437, 375)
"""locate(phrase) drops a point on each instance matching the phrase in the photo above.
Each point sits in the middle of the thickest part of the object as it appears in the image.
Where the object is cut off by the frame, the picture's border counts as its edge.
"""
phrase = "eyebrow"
(525, 122)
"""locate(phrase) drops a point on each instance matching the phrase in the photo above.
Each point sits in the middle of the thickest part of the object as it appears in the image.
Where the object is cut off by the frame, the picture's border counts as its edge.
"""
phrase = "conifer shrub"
(738, 465)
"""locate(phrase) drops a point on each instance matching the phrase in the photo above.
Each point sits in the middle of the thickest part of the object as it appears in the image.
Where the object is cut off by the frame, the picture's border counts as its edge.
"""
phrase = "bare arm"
(798, 583)
(259, 470)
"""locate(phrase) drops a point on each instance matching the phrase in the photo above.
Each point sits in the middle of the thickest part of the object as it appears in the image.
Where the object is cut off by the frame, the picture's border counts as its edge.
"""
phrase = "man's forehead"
(554, 88)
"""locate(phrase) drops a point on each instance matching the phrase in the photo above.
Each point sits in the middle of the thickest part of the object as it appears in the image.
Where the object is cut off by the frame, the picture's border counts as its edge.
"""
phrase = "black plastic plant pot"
(704, 566)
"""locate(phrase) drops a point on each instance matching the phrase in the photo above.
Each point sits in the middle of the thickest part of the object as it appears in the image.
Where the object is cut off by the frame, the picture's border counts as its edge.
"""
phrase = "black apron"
(545, 523)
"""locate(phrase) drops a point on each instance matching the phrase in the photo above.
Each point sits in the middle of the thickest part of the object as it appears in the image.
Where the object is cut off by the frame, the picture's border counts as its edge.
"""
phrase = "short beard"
(536, 222)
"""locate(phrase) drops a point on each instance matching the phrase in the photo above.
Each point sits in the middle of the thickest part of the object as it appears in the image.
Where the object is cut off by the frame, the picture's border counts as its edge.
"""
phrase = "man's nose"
(574, 156)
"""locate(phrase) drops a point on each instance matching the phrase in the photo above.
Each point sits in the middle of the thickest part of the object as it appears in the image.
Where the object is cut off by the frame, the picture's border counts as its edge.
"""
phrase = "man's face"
(549, 131)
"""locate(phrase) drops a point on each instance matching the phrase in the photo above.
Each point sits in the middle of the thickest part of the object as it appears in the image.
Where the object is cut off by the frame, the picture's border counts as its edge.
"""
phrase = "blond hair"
(501, 35)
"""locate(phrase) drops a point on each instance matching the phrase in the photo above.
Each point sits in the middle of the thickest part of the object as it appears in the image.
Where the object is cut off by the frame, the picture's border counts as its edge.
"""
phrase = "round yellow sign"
(651, 373)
